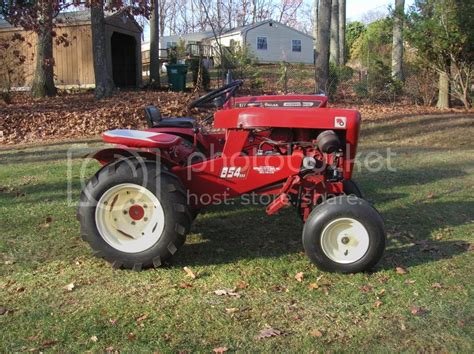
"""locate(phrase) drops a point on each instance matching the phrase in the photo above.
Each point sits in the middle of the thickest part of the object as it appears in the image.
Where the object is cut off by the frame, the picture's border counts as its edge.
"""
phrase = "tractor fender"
(106, 156)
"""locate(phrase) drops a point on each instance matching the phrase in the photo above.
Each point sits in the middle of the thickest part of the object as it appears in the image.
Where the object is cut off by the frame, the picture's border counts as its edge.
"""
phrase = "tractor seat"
(155, 120)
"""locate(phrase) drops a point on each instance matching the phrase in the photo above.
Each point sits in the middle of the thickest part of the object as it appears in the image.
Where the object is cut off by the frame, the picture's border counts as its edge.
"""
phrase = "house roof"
(246, 28)
(82, 16)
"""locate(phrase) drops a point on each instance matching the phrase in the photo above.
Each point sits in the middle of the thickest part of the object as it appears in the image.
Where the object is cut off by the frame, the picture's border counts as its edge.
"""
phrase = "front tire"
(134, 214)
(344, 234)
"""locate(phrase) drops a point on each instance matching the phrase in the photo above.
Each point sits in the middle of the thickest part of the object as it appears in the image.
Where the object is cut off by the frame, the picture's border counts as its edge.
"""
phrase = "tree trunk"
(397, 44)
(342, 32)
(315, 24)
(154, 46)
(254, 11)
(322, 45)
(104, 85)
(43, 80)
(443, 90)
(334, 42)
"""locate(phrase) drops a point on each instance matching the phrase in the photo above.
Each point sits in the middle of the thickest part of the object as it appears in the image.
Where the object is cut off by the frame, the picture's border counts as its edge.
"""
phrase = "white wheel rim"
(129, 218)
(345, 240)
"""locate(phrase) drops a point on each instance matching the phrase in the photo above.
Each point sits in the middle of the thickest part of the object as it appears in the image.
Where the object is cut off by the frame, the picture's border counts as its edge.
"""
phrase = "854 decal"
(233, 172)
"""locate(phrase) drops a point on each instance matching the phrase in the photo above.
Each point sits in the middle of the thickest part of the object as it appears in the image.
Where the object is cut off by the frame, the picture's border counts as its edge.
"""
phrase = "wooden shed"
(73, 61)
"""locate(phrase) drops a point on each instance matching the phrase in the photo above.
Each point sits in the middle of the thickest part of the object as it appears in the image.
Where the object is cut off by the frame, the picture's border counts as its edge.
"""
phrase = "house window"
(296, 45)
(171, 44)
(262, 43)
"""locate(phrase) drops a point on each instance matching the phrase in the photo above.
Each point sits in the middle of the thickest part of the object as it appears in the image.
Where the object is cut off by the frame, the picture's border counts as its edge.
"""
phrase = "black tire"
(352, 188)
(339, 208)
(169, 192)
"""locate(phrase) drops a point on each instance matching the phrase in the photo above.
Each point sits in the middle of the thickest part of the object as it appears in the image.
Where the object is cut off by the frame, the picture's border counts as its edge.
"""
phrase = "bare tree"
(104, 85)
(315, 23)
(342, 32)
(334, 41)
(154, 45)
(322, 45)
(397, 44)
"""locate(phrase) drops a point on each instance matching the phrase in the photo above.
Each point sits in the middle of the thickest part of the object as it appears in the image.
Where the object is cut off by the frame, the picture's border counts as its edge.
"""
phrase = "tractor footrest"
(281, 201)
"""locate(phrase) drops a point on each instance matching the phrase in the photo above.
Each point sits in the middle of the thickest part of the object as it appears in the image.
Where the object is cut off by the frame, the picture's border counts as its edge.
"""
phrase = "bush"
(337, 75)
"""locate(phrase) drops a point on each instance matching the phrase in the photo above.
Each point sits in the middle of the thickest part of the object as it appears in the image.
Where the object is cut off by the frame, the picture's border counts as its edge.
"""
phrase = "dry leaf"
(409, 282)
(381, 293)
(401, 270)
(299, 276)
(437, 286)
(269, 332)
(220, 350)
(228, 292)
(131, 336)
(69, 287)
(141, 318)
(185, 286)
(189, 273)
(232, 310)
(418, 310)
(112, 321)
(378, 303)
(242, 284)
(94, 339)
(3, 310)
(313, 286)
(366, 288)
(316, 333)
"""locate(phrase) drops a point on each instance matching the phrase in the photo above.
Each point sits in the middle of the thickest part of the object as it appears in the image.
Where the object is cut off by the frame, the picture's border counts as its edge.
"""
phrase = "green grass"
(429, 197)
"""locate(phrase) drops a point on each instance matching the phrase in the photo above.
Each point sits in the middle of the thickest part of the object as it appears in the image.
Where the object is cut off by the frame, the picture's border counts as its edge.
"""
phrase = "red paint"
(136, 212)
(240, 159)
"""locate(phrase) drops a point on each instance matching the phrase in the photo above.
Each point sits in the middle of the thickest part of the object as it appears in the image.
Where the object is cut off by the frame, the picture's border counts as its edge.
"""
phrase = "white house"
(271, 42)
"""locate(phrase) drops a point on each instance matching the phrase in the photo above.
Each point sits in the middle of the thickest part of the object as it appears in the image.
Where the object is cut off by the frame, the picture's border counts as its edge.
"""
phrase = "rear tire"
(344, 234)
(134, 214)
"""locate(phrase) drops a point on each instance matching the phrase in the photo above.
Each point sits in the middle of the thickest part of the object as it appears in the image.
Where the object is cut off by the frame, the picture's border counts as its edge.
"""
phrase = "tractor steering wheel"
(207, 100)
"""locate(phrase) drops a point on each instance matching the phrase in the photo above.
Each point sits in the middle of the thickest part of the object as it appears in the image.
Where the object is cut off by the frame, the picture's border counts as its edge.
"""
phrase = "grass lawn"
(427, 204)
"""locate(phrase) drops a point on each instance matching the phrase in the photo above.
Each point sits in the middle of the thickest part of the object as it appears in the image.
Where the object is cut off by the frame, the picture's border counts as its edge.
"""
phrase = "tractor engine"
(320, 176)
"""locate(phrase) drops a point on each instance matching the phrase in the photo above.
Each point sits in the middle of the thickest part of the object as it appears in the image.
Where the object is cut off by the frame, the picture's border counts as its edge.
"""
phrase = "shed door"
(124, 63)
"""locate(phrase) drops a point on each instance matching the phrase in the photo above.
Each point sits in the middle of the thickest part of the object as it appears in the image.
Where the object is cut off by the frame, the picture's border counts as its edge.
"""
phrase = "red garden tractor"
(137, 209)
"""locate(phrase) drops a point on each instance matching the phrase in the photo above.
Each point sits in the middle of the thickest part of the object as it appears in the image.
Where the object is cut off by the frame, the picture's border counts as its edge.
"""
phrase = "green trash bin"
(177, 76)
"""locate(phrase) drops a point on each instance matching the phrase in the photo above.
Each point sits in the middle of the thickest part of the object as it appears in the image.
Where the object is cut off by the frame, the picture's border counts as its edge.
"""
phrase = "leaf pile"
(69, 116)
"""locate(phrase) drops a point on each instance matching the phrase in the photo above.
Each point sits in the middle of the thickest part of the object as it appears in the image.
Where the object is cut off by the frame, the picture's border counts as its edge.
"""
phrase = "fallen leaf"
(409, 282)
(228, 292)
(69, 287)
(430, 195)
(313, 286)
(112, 321)
(325, 290)
(48, 343)
(94, 339)
(109, 349)
(316, 333)
(381, 293)
(378, 303)
(418, 310)
(189, 273)
(242, 284)
(220, 350)
(185, 286)
(131, 336)
(269, 332)
(3, 310)
(141, 318)
(366, 288)
(232, 310)
(437, 286)
(299, 276)
(401, 270)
